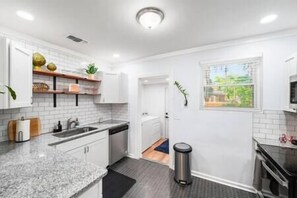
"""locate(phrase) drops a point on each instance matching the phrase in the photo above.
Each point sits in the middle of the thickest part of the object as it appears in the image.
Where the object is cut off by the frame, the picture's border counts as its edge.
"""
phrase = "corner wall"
(221, 140)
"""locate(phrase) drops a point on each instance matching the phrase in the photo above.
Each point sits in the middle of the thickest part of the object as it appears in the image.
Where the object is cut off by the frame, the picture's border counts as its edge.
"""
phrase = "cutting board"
(35, 128)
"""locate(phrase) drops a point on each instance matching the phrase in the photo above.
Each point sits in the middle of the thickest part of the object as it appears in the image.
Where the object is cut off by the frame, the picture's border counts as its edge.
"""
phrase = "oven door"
(293, 91)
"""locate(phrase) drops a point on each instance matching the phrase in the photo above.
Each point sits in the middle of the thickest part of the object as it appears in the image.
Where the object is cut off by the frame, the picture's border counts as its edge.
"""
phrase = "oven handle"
(275, 176)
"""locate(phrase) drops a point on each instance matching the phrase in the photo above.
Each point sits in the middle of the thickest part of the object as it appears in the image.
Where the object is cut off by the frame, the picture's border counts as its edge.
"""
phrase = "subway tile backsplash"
(271, 124)
(86, 111)
(119, 112)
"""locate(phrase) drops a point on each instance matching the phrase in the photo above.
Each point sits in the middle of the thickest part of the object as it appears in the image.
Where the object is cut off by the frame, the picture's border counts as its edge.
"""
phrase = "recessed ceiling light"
(116, 55)
(167, 79)
(146, 81)
(25, 15)
(150, 17)
(268, 19)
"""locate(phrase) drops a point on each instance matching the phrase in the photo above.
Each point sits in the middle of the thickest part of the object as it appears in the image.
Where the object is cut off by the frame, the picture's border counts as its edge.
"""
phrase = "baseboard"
(224, 181)
(130, 155)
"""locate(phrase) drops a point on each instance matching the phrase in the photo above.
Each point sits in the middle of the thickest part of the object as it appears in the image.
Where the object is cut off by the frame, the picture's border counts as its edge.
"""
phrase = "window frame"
(257, 82)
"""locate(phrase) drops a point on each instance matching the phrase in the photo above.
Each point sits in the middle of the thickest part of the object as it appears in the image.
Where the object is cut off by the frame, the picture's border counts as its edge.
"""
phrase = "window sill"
(230, 109)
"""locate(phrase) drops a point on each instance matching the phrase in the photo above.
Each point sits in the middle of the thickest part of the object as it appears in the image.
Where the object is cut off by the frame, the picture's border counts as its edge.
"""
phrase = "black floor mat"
(115, 185)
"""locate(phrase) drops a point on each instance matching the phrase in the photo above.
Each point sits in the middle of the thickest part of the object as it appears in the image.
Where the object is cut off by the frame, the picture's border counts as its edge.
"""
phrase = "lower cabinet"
(93, 149)
(94, 192)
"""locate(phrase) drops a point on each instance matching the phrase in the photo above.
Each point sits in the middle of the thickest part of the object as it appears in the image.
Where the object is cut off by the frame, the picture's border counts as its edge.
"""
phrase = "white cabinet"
(16, 72)
(94, 192)
(151, 132)
(92, 148)
(79, 153)
(113, 88)
(289, 70)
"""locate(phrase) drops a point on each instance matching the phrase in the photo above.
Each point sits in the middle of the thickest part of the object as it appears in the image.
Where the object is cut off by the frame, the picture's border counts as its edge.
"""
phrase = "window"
(231, 84)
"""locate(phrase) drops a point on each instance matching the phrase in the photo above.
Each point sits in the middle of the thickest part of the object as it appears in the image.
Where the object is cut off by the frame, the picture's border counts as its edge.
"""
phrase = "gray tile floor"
(156, 181)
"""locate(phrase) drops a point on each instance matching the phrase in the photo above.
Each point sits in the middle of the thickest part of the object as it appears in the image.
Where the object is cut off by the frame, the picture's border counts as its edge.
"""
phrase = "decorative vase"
(51, 67)
(91, 76)
(38, 61)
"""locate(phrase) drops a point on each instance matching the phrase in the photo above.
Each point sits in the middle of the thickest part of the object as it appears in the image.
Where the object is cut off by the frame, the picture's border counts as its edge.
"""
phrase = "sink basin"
(73, 132)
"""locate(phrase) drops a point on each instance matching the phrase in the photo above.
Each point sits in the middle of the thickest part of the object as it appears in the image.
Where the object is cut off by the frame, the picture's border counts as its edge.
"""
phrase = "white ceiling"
(110, 25)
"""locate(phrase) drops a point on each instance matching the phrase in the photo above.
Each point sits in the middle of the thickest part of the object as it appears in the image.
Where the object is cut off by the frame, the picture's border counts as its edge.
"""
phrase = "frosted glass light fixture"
(268, 19)
(25, 15)
(149, 17)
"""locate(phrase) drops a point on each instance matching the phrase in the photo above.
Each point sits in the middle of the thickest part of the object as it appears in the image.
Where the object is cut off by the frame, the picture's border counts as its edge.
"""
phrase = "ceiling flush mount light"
(149, 17)
(25, 15)
(268, 19)
(116, 55)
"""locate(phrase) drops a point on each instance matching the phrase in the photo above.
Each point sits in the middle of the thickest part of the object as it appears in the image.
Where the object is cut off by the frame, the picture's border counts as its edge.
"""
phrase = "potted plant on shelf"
(11, 91)
(91, 70)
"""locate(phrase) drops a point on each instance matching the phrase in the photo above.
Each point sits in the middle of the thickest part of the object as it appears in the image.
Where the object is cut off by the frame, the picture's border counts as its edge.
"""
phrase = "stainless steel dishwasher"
(118, 143)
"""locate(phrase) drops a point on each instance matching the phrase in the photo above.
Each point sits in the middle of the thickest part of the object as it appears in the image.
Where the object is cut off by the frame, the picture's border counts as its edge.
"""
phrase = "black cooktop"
(284, 158)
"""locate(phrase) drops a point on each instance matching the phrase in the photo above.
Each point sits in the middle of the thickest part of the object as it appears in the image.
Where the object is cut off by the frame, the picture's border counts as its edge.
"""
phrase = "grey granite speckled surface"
(35, 169)
(274, 143)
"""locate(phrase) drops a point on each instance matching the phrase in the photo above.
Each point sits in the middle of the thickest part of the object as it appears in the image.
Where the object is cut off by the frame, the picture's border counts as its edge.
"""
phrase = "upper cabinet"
(113, 88)
(289, 70)
(16, 67)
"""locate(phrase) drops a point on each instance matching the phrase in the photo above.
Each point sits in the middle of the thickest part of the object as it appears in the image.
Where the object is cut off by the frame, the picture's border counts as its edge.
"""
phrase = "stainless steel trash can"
(182, 163)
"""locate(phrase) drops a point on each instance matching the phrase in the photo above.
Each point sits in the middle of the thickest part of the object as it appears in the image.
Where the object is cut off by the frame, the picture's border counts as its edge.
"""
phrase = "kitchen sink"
(73, 132)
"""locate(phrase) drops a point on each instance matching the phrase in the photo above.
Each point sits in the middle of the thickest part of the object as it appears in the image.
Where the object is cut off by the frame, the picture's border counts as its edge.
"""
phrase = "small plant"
(91, 69)
(11, 91)
(183, 91)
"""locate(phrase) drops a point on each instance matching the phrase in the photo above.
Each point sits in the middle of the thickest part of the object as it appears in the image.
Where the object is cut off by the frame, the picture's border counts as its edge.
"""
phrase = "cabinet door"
(20, 76)
(289, 70)
(123, 96)
(97, 152)
(110, 91)
(93, 192)
(78, 153)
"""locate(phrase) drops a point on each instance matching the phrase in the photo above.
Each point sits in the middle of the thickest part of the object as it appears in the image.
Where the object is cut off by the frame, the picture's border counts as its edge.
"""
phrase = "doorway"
(155, 119)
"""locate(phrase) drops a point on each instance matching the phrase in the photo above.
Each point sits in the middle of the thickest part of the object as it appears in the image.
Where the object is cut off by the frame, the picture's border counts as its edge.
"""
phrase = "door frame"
(139, 112)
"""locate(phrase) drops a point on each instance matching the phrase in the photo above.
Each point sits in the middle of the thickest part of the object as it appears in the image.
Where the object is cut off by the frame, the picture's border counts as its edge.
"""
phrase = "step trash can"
(182, 163)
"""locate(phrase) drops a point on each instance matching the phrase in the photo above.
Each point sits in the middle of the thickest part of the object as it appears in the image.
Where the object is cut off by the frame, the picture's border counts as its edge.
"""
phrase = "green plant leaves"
(12, 92)
(183, 91)
(91, 69)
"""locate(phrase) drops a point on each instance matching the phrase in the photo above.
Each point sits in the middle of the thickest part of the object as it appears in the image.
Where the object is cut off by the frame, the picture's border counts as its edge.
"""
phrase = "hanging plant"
(11, 91)
(183, 91)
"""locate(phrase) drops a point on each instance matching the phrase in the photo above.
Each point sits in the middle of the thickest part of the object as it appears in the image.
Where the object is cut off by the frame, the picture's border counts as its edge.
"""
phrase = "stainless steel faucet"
(69, 123)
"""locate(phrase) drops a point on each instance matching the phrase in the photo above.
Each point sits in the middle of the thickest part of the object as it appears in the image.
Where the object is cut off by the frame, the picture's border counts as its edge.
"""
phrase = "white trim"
(131, 155)
(243, 41)
(256, 82)
(224, 181)
(6, 32)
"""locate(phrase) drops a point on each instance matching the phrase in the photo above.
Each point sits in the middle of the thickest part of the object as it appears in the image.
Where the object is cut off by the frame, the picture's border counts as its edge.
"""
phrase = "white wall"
(221, 140)
(153, 102)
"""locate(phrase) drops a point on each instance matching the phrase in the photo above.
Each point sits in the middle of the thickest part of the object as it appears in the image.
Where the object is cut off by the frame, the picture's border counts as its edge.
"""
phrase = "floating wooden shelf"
(56, 74)
(64, 92)
(55, 92)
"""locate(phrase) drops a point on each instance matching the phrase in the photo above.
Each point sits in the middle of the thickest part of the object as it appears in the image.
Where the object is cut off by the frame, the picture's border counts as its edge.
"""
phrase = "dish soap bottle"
(59, 126)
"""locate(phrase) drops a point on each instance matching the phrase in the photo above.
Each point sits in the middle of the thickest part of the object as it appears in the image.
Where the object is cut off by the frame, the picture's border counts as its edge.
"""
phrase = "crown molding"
(14, 35)
(242, 41)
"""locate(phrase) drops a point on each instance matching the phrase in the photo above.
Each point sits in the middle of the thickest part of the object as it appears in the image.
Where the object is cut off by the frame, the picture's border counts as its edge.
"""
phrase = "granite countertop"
(274, 143)
(35, 169)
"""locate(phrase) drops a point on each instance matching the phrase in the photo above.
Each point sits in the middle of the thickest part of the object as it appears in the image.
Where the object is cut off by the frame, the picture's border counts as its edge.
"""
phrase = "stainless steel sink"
(73, 132)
